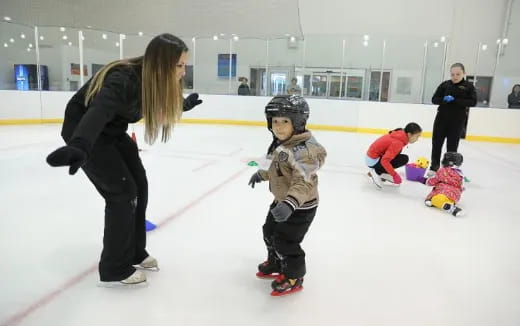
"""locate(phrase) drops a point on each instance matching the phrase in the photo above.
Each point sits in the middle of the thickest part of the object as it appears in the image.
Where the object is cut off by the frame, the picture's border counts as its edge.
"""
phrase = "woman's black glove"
(191, 101)
(69, 155)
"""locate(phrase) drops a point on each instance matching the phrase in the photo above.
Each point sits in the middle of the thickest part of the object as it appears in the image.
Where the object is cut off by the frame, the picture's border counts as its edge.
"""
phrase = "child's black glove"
(68, 155)
(281, 212)
(191, 101)
(255, 178)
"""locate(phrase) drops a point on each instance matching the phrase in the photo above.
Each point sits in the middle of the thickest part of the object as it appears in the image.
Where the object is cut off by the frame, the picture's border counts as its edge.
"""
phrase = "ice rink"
(373, 257)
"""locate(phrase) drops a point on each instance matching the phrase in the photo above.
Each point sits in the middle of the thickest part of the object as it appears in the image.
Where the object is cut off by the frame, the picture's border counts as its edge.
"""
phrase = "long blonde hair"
(161, 92)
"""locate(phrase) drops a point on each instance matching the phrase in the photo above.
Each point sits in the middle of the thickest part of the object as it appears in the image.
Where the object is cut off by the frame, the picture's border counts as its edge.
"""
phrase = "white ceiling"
(265, 18)
(200, 18)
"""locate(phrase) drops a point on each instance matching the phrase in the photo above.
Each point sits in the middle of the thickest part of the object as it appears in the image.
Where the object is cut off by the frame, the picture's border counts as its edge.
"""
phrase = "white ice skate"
(137, 279)
(453, 210)
(388, 180)
(375, 178)
(149, 264)
(430, 174)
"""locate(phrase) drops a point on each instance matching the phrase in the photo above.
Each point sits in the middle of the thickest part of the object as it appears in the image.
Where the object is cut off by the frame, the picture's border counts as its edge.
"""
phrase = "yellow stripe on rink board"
(492, 139)
(225, 122)
(503, 140)
(29, 121)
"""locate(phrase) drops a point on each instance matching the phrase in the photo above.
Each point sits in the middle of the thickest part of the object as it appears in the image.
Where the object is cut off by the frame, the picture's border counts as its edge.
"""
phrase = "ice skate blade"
(281, 294)
(389, 183)
(266, 276)
(371, 180)
(459, 215)
(121, 285)
(147, 269)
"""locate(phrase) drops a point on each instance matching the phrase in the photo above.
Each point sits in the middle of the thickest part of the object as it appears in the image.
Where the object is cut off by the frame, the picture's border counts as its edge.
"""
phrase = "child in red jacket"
(448, 184)
(384, 155)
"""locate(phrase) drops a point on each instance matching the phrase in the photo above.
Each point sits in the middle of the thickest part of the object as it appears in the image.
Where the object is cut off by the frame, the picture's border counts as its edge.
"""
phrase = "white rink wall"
(23, 105)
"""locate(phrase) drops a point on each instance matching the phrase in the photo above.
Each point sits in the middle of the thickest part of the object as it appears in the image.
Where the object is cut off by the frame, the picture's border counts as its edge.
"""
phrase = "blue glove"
(281, 212)
(448, 99)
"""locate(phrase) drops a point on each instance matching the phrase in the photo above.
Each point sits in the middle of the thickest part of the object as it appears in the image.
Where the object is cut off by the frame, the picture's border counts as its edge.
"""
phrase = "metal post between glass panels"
(382, 67)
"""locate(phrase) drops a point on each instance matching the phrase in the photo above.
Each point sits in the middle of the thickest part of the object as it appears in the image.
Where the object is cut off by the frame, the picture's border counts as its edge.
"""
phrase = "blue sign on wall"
(21, 75)
(223, 65)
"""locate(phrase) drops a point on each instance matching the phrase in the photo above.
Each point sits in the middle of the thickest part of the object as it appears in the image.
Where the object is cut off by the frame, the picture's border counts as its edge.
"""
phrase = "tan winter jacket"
(292, 173)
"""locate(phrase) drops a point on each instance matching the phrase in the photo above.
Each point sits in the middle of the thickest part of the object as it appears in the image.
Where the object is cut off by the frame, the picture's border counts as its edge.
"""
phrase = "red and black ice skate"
(269, 270)
(283, 286)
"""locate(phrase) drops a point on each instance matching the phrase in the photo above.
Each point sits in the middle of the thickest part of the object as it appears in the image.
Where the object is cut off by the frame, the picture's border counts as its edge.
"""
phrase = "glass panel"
(319, 85)
(376, 83)
(483, 89)
(336, 82)
(483, 67)
(354, 87)
(278, 83)
(17, 52)
(504, 93)
(286, 56)
(251, 63)
(363, 53)
(134, 45)
(211, 73)
(59, 52)
(404, 58)
(99, 49)
(434, 69)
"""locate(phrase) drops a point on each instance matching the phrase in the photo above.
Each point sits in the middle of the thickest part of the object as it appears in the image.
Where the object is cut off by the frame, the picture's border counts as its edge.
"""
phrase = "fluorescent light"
(193, 39)
(104, 36)
(30, 45)
(70, 43)
(11, 40)
(7, 18)
(484, 47)
(443, 38)
(123, 36)
(28, 50)
(436, 44)
(117, 44)
(62, 29)
(6, 45)
(366, 37)
(505, 41)
(215, 37)
(64, 37)
(235, 38)
(42, 38)
(140, 33)
(292, 39)
(22, 36)
(365, 43)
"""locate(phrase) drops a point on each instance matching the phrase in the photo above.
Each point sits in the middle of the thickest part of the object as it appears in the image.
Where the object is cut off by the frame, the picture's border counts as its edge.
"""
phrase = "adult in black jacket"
(243, 88)
(514, 98)
(453, 96)
(94, 129)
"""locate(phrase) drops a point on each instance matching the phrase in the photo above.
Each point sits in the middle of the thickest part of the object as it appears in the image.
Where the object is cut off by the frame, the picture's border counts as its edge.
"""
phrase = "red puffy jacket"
(387, 147)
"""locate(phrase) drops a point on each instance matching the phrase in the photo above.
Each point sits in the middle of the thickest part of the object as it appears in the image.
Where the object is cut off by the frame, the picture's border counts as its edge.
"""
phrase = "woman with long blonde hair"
(94, 129)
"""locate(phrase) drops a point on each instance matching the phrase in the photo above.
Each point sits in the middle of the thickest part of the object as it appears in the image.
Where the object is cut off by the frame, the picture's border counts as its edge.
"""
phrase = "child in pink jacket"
(448, 184)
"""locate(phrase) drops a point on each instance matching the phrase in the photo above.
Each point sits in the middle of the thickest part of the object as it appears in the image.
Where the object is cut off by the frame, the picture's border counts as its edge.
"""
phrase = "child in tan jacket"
(296, 157)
